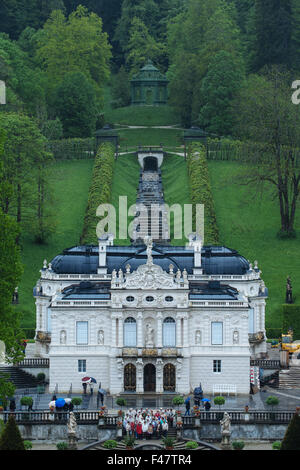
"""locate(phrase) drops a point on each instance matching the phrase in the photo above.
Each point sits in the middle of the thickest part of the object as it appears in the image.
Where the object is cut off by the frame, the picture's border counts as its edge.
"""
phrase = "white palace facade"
(150, 317)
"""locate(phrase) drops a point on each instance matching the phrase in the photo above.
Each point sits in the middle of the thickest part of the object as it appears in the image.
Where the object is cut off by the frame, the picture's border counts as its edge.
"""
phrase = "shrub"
(219, 401)
(121, 402)
(110, 444)
(177, 401)
(11, 438)
(28, 445)
(276, 445)
(272, 401)
(238, 445)
(76, 401)
(168, 442)
(291, 317)
(100, 191)
(26, 401)
(62, 446)
(191, 445)
(41, 377)
(201, 193)
(291, 440)
(129, 441)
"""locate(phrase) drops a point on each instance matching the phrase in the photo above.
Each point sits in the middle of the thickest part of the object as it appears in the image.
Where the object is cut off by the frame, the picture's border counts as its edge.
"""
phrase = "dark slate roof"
(215, 260)
(87, 290)
(212, 291)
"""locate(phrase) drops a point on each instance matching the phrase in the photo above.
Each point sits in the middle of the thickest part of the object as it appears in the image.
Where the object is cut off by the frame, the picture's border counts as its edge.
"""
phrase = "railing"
(92, 417)
(34, 362)
(275, 417)
(266, 363)
(59, 417)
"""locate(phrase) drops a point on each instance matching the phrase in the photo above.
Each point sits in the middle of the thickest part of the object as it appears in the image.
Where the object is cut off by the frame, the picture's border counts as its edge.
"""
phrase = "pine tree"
(11, 438)
(273, 25)
(291, 440)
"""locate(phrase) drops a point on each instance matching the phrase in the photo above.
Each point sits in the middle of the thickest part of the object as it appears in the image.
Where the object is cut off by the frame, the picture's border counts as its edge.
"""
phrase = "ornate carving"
(149, 276)
(101, 337)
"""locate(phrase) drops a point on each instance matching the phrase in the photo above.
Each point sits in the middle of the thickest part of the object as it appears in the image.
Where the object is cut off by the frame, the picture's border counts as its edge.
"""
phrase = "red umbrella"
(86, 379)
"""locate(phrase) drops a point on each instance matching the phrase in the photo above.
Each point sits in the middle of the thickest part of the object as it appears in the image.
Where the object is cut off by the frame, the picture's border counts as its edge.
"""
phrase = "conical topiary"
(291, 440)
(11, 438)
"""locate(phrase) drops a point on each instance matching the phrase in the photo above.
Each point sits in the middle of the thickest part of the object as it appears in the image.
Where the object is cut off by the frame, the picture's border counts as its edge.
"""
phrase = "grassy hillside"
(71, 180)
(248, 223)
(130, 139)
(176, 187)
(125, 183)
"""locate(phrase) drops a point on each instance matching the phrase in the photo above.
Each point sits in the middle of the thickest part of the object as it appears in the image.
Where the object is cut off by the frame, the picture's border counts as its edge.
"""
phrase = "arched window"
(169, 332)
(130, 332)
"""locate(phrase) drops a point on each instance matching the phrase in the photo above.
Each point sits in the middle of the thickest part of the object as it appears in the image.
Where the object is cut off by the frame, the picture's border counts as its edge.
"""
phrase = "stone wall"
(247, 432)
(53, 433)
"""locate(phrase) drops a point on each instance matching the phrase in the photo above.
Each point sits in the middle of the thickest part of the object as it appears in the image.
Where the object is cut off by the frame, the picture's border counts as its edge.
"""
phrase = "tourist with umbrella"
(187, 406)
(207, 404)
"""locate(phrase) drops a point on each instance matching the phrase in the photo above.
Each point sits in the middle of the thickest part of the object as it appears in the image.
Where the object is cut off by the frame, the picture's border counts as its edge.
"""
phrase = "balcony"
(256, 338)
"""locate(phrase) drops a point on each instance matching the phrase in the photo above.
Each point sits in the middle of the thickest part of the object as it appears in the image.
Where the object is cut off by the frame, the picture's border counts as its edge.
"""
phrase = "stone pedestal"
(72, 441)
(225, 443)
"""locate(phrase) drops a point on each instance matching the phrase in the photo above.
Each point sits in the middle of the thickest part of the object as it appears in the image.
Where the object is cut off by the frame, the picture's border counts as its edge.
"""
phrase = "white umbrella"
(52, 404)
(68, 400)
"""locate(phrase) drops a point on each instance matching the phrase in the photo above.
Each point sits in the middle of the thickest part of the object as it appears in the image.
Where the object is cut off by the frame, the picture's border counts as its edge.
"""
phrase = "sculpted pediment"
(149, 276)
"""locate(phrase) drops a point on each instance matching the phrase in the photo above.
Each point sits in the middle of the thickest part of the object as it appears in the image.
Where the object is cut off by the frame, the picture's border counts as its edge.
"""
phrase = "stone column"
(159, 339)
(159, 376)
(185, 330)
(120, 336)
(139, 376)
(140, 330)
(113, 330)
(178, 330)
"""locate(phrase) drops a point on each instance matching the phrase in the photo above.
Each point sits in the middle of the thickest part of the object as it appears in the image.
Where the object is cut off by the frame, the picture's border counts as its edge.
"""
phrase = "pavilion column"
(114, 330)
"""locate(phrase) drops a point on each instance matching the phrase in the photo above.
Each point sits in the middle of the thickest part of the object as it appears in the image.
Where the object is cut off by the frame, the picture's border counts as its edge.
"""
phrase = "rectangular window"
(217, 366)
(217, 333)
(82, 332)
(82, 365)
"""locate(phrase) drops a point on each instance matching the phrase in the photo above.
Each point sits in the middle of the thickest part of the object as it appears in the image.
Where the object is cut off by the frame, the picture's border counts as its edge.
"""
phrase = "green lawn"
(132, 138)
(125, 183)
(138, 115)
(249, 222)
(71, 180)
(176, 188)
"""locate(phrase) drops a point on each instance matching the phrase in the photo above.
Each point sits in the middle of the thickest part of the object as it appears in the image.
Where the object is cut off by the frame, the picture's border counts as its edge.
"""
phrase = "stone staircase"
(290, 378)
(19, 377)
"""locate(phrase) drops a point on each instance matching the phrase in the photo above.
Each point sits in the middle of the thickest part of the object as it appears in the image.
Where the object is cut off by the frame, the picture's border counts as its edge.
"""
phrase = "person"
(84, 386)
(12, 405)
(139, 430)
(91, 389)
(207, 406)
(187, 406)
(150, 430)
(165, 428)
(100, 396)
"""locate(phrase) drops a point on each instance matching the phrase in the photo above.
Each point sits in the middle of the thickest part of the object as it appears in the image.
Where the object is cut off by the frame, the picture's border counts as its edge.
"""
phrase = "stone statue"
(235, 337)
(149, 336)
(225, 430)
(149, 245)
(289, 292)
(72, 424)
(198, 337)
(63, 337)
(2, 353)
(101, 337)
(72, 427)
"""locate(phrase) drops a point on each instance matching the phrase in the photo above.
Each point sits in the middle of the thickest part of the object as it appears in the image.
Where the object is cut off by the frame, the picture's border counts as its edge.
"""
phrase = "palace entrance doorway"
(149, 378)
(169, 378)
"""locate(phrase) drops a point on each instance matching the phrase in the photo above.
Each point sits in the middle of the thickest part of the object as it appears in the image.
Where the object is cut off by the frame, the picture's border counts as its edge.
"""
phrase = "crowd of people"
(148, 424)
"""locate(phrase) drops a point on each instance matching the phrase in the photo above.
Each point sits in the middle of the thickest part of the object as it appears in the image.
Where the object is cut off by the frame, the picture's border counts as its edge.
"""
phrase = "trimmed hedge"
(72, 149)
(200, 190)
(273, 333)
(100, 191)
(291, 318)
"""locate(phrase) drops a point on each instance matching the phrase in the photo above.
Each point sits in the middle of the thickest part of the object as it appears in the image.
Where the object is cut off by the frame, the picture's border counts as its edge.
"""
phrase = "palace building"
(150, 317)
